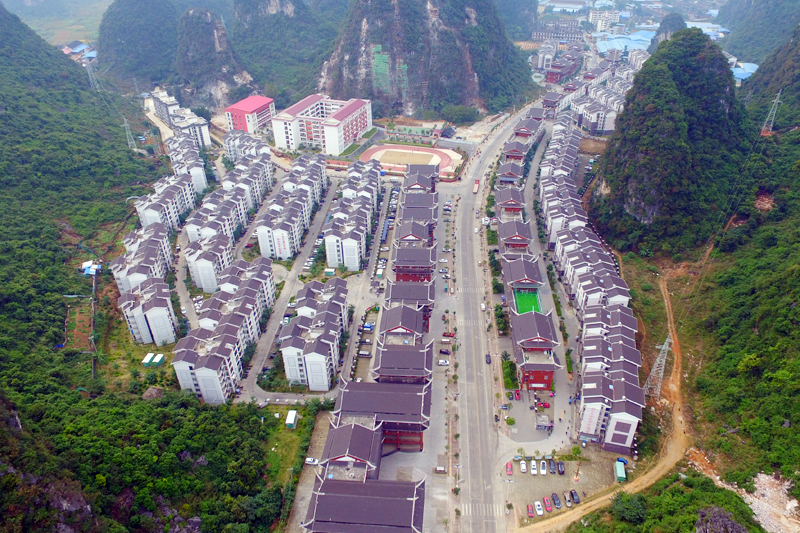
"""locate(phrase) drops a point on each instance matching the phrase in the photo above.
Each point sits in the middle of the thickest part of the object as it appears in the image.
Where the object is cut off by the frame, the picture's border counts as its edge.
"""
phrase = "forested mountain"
(519, 17)
(417, 54)
(678, 144)
(757, 26)
(778, 72)
(110, 461)
(283, 43)
(139, 39)
(207, 64)
(669, 25)
(37, 8)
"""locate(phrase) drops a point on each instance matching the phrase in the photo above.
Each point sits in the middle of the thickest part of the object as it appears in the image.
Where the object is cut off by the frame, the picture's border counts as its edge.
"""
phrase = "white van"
(483, 307)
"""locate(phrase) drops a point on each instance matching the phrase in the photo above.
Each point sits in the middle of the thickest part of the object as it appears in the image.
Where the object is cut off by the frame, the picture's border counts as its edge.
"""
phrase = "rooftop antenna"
(652, 386)
(128, 134)
(766, 129)
(92, 79)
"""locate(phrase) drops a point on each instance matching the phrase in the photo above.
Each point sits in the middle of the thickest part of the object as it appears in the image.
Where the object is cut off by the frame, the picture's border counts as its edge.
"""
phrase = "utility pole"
(128, 134)
(766, 129)
(652, 386)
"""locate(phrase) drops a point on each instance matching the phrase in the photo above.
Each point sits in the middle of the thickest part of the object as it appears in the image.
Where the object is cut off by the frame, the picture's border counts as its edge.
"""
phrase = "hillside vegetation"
(677, 146)
(757, 26)
(519, 17)
(418, 55)
(687, 502)
(669, 25)
(72, 454)
(284, 43)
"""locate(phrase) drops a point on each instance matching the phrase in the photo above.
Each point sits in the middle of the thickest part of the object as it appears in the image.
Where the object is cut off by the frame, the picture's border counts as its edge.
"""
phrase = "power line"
(766, 129)
(92, 79)
(128, 134)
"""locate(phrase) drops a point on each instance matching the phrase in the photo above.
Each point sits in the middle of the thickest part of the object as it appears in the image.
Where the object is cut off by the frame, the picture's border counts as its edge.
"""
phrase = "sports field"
(527, 302)
(397, 157)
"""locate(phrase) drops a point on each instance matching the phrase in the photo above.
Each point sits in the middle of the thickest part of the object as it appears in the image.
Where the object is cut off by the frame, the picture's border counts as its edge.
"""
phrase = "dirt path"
(673, 450)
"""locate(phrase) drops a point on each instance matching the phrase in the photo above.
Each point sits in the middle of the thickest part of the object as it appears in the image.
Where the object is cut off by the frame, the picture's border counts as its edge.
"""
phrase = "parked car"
(534, 470)
(446, 276)
(444, 362)
(574, 494)
(249, 245)
(509, 468)
(183, 310)
(311, 461)
(530, 511)
(523, 466)
(444, 352)
(552, 466)
(488, 359)
(516, 395)
(567, 499)
(561, 469)
(538, 506)
(543, 467)
(443, 260)
(442, 271)
(385, 249)
(448, 334)
(556, 500)
(543, 404)
(547, 505)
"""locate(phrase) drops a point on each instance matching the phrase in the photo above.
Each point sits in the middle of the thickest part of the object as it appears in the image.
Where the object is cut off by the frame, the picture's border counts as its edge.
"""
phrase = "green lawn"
(527, 302)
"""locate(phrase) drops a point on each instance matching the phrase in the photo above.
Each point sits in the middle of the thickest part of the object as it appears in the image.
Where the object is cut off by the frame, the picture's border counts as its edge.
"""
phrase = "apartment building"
(250, 115)
(207, 258)
(253, 174)
(280, 229)
(148, 255)
(318, 120)
(239, 144)
(604, 19)
(208, 361)
(147, 309)
(182, 121)
(547, 54)
(173, 198)
(310, 342)
(185, 159)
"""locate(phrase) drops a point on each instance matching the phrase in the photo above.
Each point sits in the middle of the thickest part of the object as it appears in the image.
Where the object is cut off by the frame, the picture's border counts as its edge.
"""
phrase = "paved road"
(239, 247)
(180, 283)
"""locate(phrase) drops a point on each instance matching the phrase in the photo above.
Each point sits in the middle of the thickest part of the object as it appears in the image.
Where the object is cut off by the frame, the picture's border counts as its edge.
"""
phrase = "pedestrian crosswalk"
(463, 322)
(471, 290)
(482, 509)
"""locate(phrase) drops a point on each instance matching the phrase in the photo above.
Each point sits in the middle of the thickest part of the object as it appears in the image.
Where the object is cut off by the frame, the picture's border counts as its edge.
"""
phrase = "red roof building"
(252, 114)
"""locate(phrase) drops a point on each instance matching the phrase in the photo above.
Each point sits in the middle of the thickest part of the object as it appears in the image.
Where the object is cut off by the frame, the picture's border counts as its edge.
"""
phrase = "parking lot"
(596, 473)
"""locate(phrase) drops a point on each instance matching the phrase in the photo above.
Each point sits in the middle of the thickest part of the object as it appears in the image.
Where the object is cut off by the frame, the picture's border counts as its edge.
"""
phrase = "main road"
(481, 499)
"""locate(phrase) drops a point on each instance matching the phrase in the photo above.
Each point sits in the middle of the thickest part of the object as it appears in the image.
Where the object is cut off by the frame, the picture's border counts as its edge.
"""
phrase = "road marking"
(462, 322)
(471, 290)
(482, 509)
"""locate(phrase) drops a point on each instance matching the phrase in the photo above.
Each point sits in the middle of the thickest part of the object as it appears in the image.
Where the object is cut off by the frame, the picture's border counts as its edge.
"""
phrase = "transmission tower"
(139, 95)
(92, 78)
(652, 386)
(747, 98)
(128, 134)
(766, 129)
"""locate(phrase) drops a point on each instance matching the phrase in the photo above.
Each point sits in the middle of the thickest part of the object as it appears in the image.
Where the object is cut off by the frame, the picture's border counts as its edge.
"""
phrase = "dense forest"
(519, 17)
(139, 39)
(664, 181)
(426, 55)
(683, 502)
(72, 453)
(757, 26)
(283, 43)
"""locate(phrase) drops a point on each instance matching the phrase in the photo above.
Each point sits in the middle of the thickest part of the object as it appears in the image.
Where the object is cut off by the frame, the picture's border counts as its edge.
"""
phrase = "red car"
(249, 245)
(547, 505)
(516, 395)
(543, 404)
(509, 468)
(530, 511)
(449, 334)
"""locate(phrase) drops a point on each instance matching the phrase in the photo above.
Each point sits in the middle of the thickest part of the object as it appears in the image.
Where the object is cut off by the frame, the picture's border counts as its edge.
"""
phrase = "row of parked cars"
(570, 498)
(523, 467)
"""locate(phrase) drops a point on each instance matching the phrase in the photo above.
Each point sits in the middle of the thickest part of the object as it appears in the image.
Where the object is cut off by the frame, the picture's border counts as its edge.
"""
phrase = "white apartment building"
(174, 196)
(206, 259)
(254, 174)
(280, 229)
(310, 341)
(185, 159)
(148, 255)
(240, 143)
(182, 121)
(164, 106)
(603, 19)
(209, 360)
(318, 120)
(148, 311)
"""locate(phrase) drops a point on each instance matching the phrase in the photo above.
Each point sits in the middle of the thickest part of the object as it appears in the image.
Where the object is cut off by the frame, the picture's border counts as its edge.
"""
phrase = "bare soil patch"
(592, 146)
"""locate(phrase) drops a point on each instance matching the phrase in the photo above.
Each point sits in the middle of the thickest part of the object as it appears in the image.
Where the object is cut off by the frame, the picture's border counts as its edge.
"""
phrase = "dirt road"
(673, 450)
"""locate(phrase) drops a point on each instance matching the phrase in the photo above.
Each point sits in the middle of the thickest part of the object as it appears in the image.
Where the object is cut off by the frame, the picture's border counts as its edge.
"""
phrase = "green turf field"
(527, 302)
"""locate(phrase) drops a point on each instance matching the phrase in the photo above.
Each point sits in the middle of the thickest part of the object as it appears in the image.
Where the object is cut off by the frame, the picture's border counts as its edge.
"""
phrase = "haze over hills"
(411, 55)
(519, 17)
(664, 180)
(757, 26)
